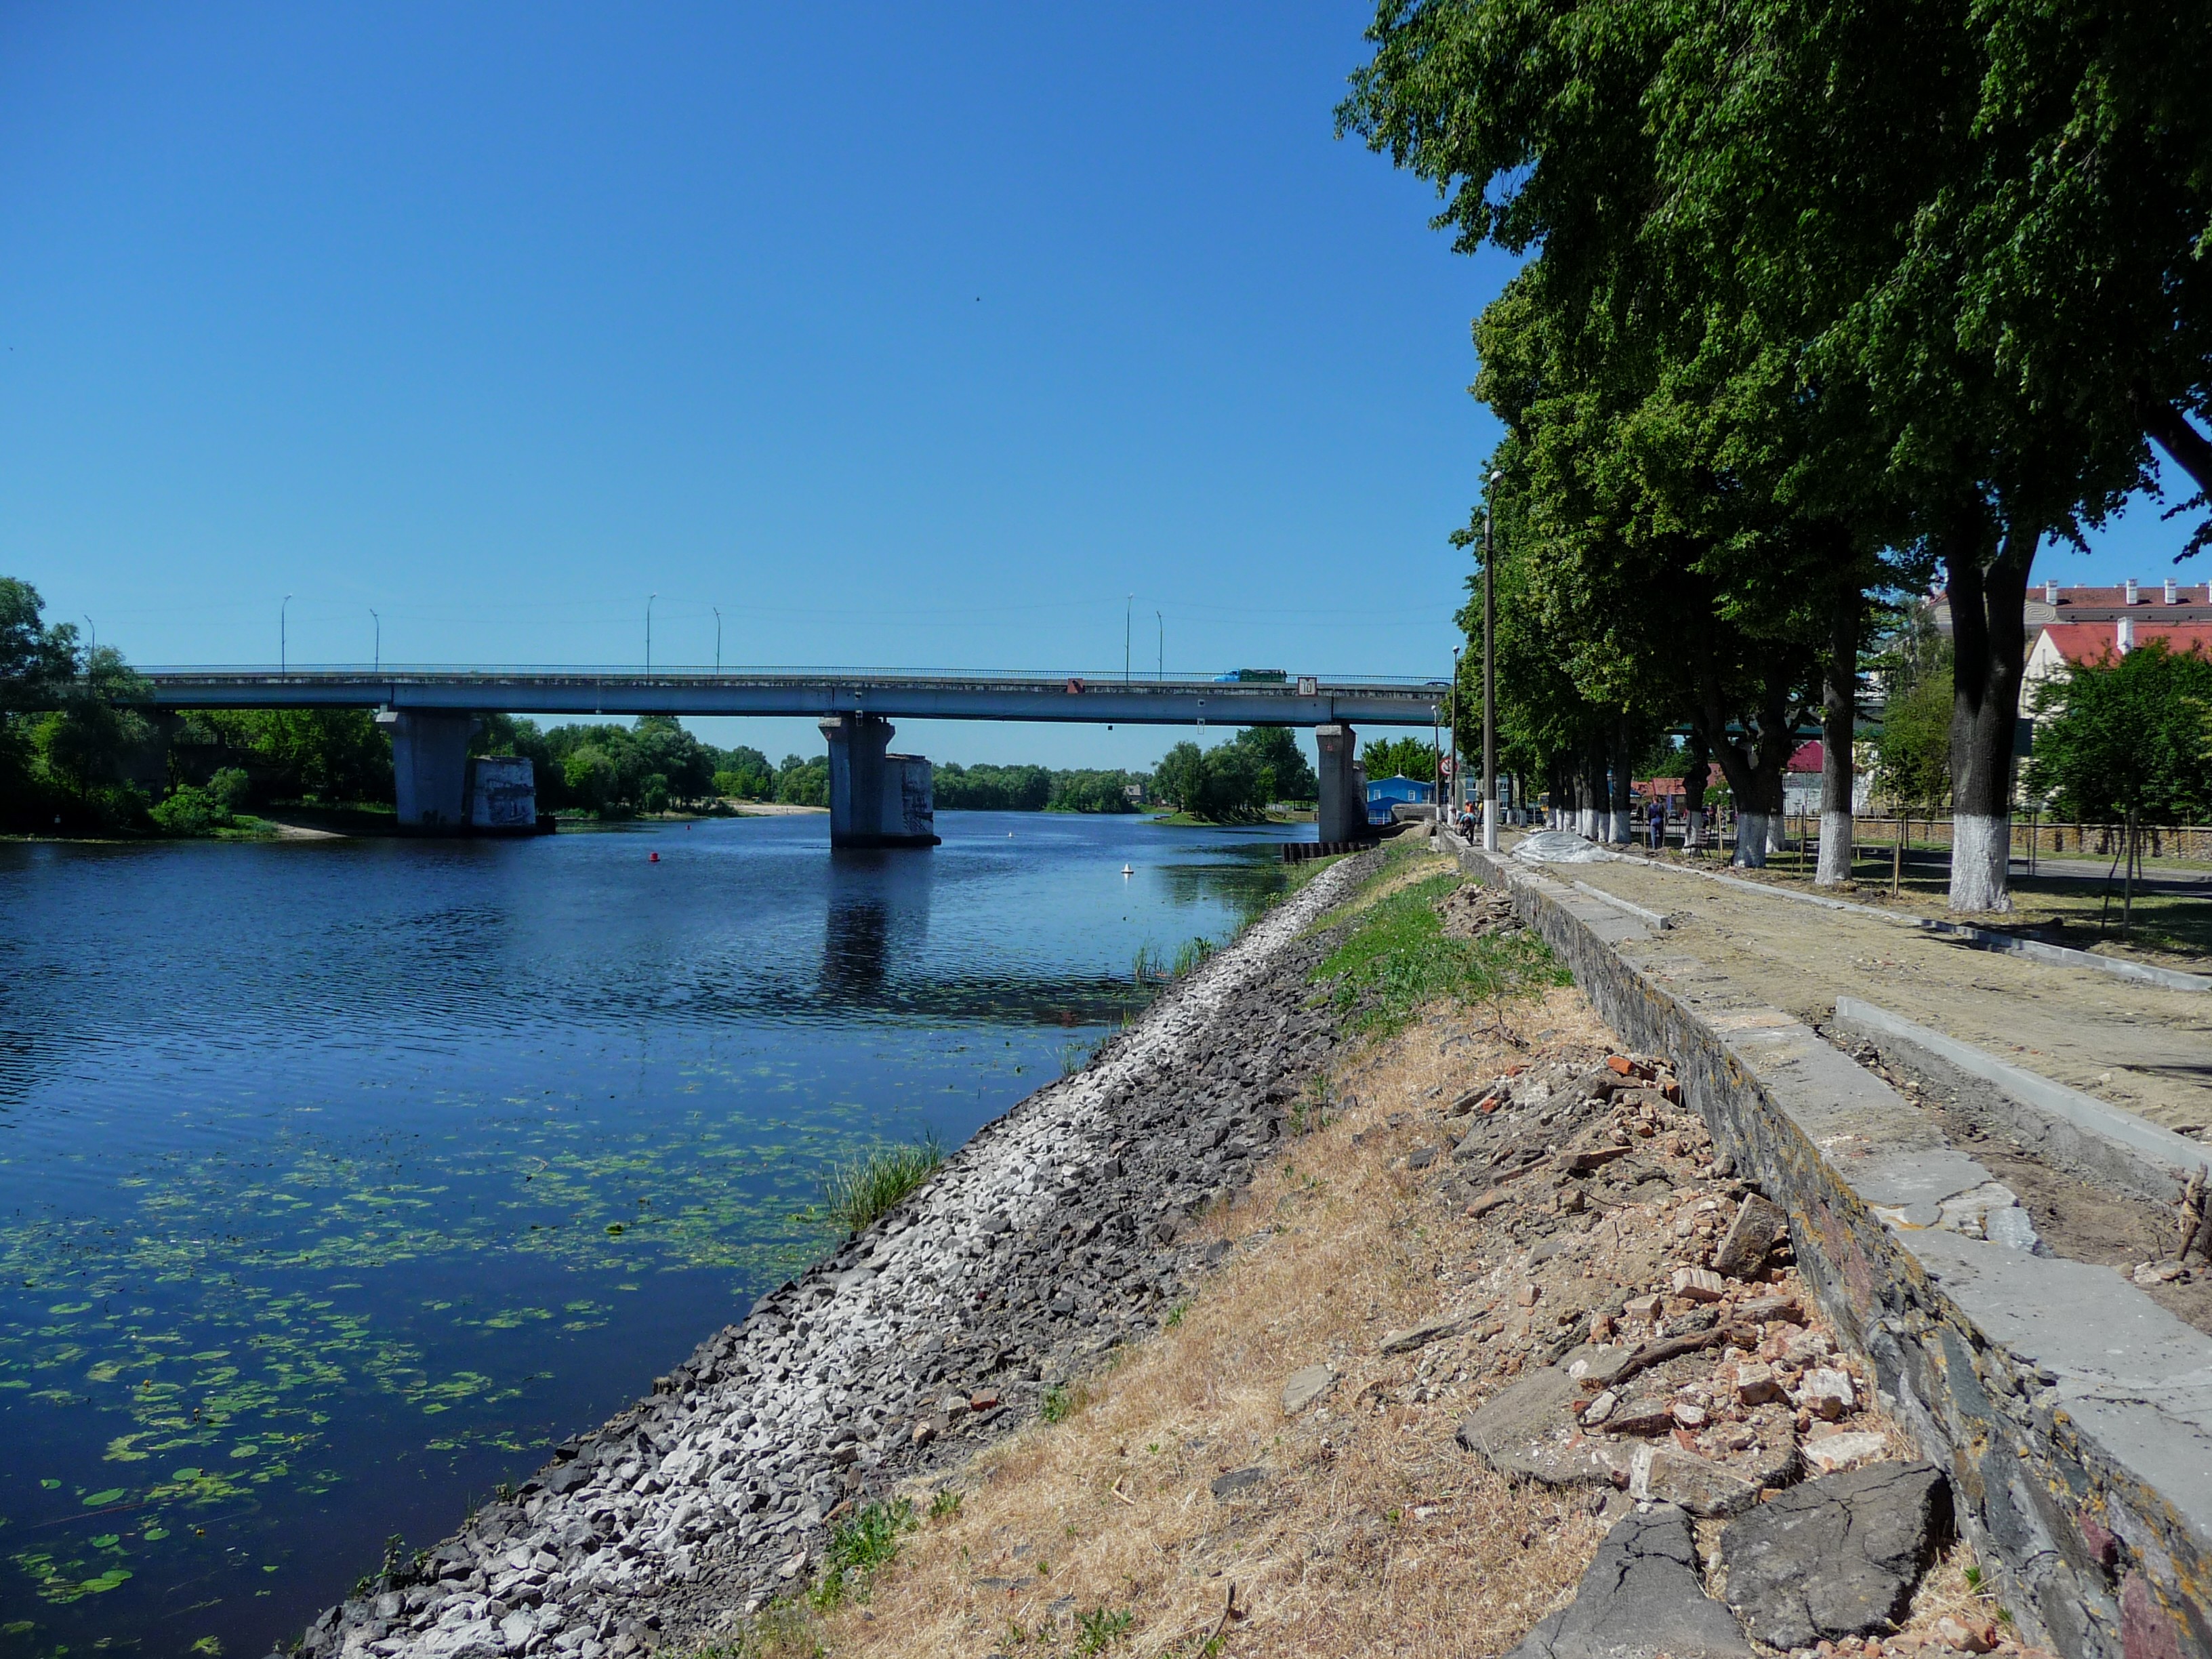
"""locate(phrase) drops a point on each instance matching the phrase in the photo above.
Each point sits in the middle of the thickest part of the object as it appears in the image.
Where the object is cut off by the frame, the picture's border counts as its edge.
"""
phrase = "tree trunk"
(1694, 791)
(2190, 448)
(1624, 794)
(1839, 717)
(1989, 646)
(1593, 803)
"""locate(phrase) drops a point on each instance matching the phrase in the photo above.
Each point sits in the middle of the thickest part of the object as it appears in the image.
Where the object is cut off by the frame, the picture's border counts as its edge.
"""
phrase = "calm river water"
(338, 1179)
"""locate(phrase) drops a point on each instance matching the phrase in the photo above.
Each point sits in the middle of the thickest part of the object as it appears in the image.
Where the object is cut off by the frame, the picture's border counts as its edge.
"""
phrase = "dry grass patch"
(1367, 1531)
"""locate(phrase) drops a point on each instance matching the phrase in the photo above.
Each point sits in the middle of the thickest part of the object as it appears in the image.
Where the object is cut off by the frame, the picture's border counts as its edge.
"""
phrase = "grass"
(1100, 1628)
(865, 1542)
(854, 1194)
(1191, 955)
(1396, 957)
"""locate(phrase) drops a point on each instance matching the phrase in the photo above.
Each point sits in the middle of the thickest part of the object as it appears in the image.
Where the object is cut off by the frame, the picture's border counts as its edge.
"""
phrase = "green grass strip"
(1397, 959)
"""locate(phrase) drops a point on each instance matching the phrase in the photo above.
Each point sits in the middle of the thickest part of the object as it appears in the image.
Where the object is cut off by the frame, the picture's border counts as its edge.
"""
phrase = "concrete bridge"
(877, 798)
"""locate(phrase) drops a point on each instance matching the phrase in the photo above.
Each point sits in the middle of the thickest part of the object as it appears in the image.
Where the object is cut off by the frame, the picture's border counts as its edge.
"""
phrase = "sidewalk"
(2139, 1046)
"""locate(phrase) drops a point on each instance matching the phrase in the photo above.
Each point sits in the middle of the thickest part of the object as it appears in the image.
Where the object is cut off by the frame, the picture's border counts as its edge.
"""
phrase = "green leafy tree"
(593, 779)
(323, 754)
(801, 782)
(1276, 747)
(1399, 758)
(1222, 785)
(2128, 738)
(1874, 276)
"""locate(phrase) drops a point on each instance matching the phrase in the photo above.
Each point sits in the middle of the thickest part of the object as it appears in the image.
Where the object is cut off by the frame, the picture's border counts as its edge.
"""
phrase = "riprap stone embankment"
(1044, 1242)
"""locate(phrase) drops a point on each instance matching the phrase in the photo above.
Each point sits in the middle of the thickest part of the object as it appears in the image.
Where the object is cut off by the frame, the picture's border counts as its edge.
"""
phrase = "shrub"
(192, 811)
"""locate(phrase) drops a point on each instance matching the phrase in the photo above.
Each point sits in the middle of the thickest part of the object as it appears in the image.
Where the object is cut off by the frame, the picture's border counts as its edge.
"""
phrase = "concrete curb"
(2072, 1413)
(2115, 1144)
(2058, 956)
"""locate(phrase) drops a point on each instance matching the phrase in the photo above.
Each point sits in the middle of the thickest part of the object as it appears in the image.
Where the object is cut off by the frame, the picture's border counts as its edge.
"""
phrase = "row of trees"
(1822, 302)
(1036, 789)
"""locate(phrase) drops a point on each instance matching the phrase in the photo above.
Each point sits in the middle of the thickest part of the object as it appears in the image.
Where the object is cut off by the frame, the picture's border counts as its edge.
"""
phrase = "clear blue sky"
(907, 336)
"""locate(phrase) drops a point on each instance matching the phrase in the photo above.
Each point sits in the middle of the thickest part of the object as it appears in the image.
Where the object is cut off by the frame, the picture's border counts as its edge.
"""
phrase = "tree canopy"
(1820, 298)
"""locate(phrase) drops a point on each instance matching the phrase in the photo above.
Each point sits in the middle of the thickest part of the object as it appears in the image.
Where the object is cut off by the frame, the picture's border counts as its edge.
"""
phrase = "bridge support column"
(877, 798)
(1343, 790)
(430, 769)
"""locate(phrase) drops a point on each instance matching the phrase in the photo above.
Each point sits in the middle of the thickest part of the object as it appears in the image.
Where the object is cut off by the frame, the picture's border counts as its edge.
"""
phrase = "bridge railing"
(707, 673)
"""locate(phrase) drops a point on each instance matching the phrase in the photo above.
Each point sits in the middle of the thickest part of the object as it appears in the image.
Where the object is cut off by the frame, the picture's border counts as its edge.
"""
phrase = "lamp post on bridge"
(718, 637)
(92, 650)
(284, 644)
(1128, 615)
(649, 599)
(1160, 616)
(376, 663)
(1489, 670)
(1455, 730)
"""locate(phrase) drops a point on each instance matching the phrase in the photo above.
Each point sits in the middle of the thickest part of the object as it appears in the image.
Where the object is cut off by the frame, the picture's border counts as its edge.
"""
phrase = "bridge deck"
(1306, 702)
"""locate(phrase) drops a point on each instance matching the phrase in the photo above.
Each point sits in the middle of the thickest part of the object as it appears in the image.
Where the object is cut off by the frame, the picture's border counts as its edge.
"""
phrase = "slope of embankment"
(1054, 1235)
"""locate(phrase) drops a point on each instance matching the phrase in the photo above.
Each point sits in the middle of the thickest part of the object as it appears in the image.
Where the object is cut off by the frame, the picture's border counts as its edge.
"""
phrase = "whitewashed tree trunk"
(1835, 849)
(1694, 830)
(1981, 862)
(1624, 828)
(1586, 823)
(1750, 840)
(1778, 833)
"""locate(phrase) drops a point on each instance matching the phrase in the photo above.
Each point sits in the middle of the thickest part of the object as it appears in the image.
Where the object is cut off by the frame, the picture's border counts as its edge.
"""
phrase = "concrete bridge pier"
(430, 769)
(877, 798)
(1343, 788)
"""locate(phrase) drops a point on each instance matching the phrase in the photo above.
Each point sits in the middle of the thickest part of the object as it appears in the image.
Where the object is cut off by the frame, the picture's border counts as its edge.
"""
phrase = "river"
(339, 1180)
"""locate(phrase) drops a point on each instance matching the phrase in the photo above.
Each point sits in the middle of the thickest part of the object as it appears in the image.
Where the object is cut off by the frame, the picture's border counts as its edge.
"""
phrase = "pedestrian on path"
(1655, 814)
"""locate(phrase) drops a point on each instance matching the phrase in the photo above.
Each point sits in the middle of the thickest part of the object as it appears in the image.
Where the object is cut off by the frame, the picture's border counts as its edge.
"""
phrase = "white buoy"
(1126, 870)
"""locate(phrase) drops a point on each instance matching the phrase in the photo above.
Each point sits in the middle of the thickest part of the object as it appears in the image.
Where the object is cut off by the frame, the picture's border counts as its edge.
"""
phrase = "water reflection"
(877, 912)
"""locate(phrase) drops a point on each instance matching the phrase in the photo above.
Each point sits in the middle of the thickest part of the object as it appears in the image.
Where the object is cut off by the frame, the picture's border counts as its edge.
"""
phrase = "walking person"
(1655, 814)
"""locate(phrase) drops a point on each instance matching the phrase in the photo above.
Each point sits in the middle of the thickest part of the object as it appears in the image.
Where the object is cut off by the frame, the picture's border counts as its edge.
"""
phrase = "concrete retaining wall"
(2075, 1414)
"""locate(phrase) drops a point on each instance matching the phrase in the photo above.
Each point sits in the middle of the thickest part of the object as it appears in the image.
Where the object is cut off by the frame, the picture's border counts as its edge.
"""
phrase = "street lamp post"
(649, 599)
(1489, 671)
(378, 661)
(1458, 792)
(283, 643)
(718, 638)
(92, 650)
(1128, 619)
(1160, 616)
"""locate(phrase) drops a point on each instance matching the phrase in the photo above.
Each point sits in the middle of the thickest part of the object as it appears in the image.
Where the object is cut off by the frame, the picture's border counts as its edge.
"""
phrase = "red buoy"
(656, 858)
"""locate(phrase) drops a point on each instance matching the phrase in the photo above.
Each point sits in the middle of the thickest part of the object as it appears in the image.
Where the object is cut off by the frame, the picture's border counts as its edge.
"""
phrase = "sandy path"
(2136, 1046)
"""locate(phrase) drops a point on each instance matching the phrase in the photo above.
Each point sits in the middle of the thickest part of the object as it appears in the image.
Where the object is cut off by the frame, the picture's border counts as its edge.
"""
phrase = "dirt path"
(2136, 1046)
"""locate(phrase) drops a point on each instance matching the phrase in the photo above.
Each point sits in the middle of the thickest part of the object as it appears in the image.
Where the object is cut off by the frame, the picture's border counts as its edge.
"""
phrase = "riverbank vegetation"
(1818, 307)
(855, 1192)
(1236, 782)
(1395, 957)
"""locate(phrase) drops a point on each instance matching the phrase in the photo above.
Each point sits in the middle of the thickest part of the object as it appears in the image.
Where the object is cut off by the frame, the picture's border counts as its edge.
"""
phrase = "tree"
(1276, 747)
(2127, 737)
(1399, 758)
(86, 741)
(1887, 276)
(329, 754)
(801, 782)
(1221, 785)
